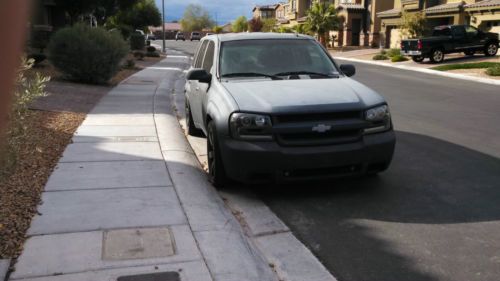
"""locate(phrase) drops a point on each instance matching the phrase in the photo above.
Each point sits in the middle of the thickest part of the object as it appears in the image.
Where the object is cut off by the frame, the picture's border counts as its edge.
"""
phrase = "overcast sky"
(225, 10)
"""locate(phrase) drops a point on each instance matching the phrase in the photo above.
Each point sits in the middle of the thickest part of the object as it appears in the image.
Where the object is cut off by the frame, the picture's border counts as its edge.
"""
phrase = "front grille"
(294, 118)
(297, 130)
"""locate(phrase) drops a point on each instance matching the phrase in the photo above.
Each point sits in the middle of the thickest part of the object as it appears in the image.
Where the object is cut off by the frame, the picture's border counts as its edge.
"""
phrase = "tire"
(418, 59)
(191, 128)
(437, 56)
(216, 173)
(469, 53)
(490, 49)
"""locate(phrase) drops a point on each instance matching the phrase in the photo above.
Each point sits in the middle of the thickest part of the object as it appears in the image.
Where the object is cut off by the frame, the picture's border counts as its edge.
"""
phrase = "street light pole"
(163, 23)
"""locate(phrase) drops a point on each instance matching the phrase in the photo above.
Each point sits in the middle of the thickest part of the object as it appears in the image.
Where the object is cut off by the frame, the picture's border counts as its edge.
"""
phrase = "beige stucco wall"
(396, 38)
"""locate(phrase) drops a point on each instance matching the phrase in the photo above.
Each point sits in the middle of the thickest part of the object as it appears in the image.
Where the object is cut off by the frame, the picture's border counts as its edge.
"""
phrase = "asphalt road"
(435, 214)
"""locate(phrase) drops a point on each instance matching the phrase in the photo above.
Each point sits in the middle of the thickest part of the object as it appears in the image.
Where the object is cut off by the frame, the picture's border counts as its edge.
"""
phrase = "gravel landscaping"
(50, 124)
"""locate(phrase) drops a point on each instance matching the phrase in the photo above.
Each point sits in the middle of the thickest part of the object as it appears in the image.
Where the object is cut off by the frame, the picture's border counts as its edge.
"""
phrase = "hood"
(306, 95)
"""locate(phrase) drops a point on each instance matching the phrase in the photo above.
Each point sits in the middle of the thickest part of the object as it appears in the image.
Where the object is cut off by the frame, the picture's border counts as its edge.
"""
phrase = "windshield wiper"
(307, 73)
(251, 74)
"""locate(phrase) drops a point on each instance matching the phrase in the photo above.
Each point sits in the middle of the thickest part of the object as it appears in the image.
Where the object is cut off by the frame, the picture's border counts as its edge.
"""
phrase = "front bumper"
(258, 162)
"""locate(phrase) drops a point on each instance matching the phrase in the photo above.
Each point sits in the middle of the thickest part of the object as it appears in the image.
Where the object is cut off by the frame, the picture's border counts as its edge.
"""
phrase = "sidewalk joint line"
(107, 188)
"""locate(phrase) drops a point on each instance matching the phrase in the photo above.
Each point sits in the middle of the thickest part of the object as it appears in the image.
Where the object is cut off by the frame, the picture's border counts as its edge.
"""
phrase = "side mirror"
(200, 75)
(348, 69)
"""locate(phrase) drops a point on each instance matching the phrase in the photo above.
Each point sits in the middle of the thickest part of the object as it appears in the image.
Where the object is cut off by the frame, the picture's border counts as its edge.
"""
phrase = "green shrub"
(398, 58)
(139, 55)
(383, 52)
(27, 89)
(89, 55)
(154, 54)
(393, 52)
(493, 71)
(380, 57)
(151, 49)
(137, 41)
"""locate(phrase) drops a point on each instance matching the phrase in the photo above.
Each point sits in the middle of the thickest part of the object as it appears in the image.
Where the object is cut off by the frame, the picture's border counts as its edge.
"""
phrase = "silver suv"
(276, 107)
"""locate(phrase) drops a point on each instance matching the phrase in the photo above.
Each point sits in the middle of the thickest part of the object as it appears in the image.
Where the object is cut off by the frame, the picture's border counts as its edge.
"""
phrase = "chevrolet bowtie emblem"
(321, 128)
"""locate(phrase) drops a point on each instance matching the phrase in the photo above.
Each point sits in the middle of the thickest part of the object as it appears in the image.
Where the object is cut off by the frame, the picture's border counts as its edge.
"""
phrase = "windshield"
(275, 57)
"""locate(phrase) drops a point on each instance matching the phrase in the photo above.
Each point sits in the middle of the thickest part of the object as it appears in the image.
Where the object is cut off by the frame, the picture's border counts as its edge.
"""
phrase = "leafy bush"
(380, 57)
(393, 52)
(383, 52)
(139, 55)
(27, 89)
(137, 41)
(398, 58)
(151, 49)
(90, 55)
(154, 54)
(493, 71)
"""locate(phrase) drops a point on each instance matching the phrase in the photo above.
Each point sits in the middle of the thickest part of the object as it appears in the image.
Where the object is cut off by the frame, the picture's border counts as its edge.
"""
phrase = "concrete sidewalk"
(128, 198)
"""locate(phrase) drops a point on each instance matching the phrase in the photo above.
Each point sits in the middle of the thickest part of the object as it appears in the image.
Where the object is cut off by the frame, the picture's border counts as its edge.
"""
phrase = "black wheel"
(491, 49)
(469, 53)
(418, 58)
(216, 172)
(191, 128)
(437, 56)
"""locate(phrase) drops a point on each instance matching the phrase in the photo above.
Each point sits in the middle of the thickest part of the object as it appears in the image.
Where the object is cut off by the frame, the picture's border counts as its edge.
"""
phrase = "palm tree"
(322, 18)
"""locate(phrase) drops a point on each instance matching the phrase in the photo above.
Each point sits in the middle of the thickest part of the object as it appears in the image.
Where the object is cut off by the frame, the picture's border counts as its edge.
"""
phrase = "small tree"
(255, 25)
(413, 24)
(240, 24)
(196, 18)
(141, 15)
(217, 29)
(322, 18)
(269, 25)
(301, 29)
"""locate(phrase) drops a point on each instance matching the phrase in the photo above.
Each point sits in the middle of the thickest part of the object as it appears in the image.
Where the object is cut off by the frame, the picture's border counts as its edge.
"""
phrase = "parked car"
(195, 36)
(151, 37)
(448, 39)
(277, 107)
(180, 36)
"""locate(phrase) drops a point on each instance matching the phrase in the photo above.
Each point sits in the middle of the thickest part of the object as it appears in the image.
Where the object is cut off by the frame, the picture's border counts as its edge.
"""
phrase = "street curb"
(4, 268)
(217, 232)
(427, 71)
(289, 258)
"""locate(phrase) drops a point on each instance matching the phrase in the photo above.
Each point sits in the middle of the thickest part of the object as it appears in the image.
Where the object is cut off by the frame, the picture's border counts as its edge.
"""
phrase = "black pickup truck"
(448, 39)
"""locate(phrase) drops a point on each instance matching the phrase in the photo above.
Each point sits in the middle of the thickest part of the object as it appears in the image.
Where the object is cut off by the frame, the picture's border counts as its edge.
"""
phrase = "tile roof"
(449, 7)
(388, 13)
(485, 3)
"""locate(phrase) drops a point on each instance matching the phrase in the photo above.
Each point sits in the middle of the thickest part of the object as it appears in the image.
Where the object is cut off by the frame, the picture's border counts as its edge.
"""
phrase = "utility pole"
(163, 23)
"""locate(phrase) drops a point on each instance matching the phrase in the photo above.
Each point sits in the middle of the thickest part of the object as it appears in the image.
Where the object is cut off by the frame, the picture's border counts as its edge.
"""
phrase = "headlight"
(379, 118)
(248, 126)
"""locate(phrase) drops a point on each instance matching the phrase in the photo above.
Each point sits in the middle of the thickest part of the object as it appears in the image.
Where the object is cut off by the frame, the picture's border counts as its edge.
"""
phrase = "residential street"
(434, 215)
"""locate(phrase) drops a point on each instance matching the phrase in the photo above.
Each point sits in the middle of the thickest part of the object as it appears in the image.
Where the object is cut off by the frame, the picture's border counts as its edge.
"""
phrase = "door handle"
(197, 88)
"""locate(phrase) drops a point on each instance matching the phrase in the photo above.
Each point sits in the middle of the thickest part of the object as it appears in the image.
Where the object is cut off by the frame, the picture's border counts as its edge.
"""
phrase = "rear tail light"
(419, 44)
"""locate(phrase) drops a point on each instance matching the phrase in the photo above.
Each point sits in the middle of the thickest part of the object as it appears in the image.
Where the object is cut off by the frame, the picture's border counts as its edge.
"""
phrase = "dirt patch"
(49, 134)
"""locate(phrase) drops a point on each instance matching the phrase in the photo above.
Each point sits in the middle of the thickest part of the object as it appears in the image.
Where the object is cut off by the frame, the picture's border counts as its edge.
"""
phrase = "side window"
(209, 56)
(459, 32)
(201, 53)
(471, 31)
